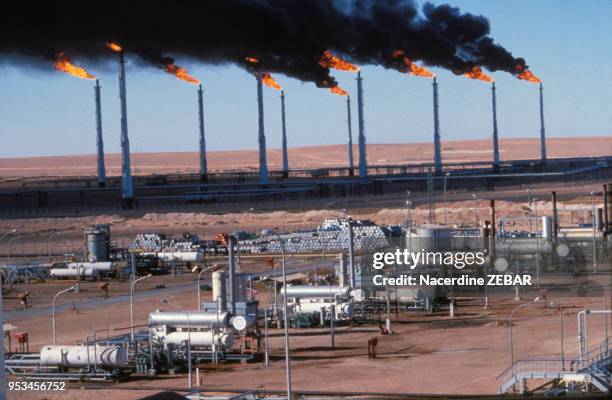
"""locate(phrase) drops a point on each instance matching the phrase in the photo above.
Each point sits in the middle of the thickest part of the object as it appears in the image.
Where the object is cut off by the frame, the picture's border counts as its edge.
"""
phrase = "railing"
(554, 368)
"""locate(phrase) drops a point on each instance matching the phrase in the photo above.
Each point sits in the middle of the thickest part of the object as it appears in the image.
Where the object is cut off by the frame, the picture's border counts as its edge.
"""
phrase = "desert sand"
(305, 157)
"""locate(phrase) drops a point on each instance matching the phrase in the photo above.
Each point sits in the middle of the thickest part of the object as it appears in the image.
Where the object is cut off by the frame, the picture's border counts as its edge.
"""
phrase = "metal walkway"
(594, 369)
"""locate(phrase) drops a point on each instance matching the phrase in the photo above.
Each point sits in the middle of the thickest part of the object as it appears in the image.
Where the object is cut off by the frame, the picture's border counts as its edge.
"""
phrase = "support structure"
(542, 130)
(363, 167)
(99, 139)
(350, 137)
(232, 273)
(284, 128)
(263, 162)
(437, 147)
(203, 164)
(127, 188)
(495, 134)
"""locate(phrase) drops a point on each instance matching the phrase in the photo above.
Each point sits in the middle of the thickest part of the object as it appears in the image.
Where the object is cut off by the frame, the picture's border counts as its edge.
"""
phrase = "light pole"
(132, 303)
(445, 178)
(53, 310)
(510, 325)
(285, 319)
(529, 206)
(49, 242)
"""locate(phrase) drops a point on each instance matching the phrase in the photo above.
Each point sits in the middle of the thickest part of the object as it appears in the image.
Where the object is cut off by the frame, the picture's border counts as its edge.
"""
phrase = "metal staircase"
(594, 368)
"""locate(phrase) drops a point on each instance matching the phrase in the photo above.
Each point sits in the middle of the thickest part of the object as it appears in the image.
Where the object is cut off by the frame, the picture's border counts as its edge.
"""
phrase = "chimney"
(285, 156)
(350, 137)
(263, 163)
(127, 189)
(203, 164)
(495, 135)
(363, 172)
(437, 149)
(542, 130)
(232, 274)
(99, 140)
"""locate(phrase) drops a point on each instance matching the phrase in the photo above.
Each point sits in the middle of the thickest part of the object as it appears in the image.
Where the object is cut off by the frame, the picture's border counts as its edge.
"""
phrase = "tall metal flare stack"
(350, 137)
(127, 188)
(542, 130)
(495, 134)
(437, 147)
(284, 128)
(99, 139)
(203, 164)
(263, 162)
(363, 167)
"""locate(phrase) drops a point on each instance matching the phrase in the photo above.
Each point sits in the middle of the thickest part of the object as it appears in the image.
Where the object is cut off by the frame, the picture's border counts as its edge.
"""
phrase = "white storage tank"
(200, 339)
(183, 256)
(74, 273)
(193, 319)
(78, 356)
(104, 266)
(316, 292)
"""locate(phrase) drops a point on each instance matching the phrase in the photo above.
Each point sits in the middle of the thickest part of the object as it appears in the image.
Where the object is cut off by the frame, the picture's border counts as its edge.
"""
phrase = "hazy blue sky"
(567, 43)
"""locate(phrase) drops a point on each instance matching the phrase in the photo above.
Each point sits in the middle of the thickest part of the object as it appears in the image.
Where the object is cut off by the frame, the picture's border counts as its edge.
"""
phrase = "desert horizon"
(324, 156)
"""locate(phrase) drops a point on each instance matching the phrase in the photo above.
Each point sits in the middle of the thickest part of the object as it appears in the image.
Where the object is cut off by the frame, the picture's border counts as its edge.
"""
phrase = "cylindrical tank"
(194, 319)
(343, 310)
(200, 339)
(316, 292)
(97, 245)
(218, 289)
(547, 228)
(184, 256)
(78, 357)
(74, 272)
(105, 266)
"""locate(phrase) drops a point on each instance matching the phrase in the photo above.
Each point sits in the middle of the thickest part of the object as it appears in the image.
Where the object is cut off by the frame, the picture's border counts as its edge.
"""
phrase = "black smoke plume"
(287, 36)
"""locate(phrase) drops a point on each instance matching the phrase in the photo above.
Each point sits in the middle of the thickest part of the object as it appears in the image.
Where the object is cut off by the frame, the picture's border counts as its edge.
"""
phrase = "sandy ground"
(428, 353)
(305, 157)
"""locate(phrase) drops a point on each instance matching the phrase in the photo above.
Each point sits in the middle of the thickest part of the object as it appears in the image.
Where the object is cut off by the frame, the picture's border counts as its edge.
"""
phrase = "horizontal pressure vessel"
(78, 357)
(200, 339)
(194, 319)
(185, 256)
(105, 266)
(74, 272)
(316, 292)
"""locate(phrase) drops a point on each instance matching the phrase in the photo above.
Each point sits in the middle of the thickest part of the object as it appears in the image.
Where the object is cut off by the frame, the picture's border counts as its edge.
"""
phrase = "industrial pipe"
(263, 162)
(284, 139)
(99, 140)
(350, 136)
(203, 163)
(363, 166)
(542, 130)
(495, 134)
(437, 147)
(127, 188)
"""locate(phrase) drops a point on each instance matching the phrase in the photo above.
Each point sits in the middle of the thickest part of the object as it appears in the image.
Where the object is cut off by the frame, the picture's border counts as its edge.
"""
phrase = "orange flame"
(478, 73)
(267, 79)
(338, 90)
(528, 76)
(114, 46)
(252, 60)
(411, 68)
(328, 60)
(63, 64)
(181, 73)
